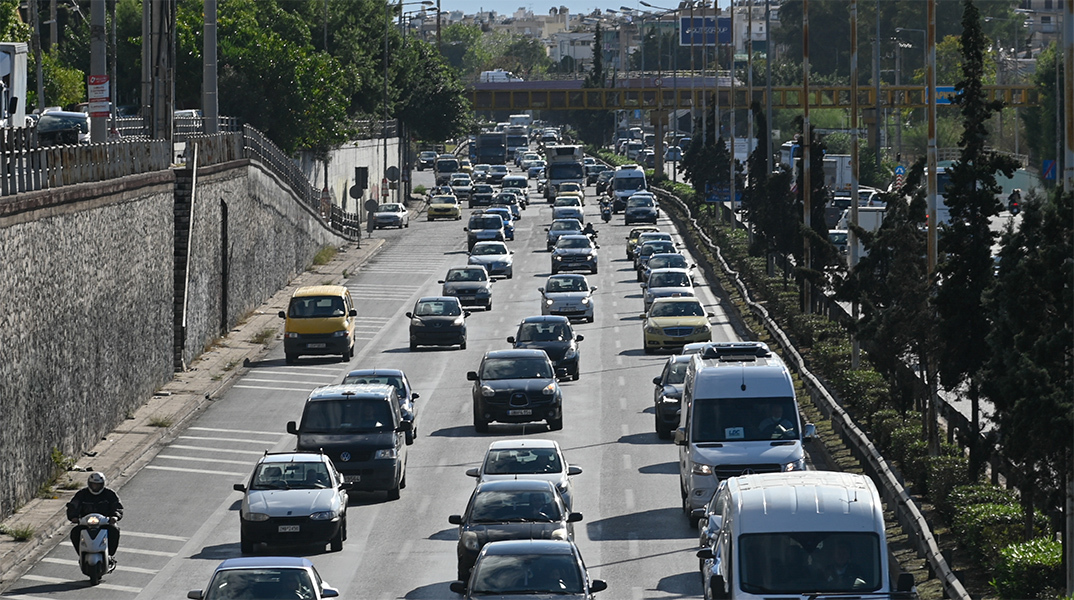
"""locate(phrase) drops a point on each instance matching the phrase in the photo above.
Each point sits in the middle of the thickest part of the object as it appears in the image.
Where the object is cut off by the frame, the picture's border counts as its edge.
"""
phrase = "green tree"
(461, 45)
(12, 29)
(64, 86)
(432, 102)
(1040, 121)
(526, 56)
(965, 243)
(594, 126)
(1027, 375)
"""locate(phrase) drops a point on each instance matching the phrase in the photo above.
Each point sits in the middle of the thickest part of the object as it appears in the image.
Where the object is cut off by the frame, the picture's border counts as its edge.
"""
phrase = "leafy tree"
(461, 45)
(526, 57)
(1027, 374)
(594, 126)
(64, 86)
(432, 102)
(965, 243)
(821, 251)
(1040, 120)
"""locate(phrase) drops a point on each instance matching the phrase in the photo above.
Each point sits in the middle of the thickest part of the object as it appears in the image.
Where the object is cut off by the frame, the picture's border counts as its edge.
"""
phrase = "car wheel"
(489, 305)
(409, 437)
(393, 494)
(429, 219)
(348, 353)
(662, 432)
(639, 276)
(462, 346)
(245, 545)
(336, 543)
(555, 270)
(480, 424)
(594, 270)
(413, 346)
(402, 482)
(464, 574)
(648, 350)
(576, 374)
(555, 424)
(510, 274)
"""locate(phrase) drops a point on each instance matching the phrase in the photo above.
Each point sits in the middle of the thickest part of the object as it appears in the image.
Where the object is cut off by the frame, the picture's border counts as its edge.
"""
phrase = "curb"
(123, 452)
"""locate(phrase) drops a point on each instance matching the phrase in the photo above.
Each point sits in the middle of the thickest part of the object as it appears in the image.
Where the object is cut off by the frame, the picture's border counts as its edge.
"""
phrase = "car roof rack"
(736, 351)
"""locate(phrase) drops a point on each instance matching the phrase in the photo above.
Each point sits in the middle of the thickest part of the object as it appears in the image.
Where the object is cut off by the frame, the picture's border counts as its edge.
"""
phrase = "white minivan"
(815, 533)
(740, 416)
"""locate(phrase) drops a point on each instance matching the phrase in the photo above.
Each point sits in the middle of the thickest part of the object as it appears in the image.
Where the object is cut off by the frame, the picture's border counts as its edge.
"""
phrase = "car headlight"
(487, 392)
(458, 322)
(549, 389)
(585, 300)
(798, 465)
(701, 329)
(342, 333)
(652, 329)
(557, 257)
(326, 515)
(560, 534)
(256, 517)
(292, 334)
(417, 323)
(470, 542)
(549, 302)
(701, 469)
(386, 453)
(571, 353)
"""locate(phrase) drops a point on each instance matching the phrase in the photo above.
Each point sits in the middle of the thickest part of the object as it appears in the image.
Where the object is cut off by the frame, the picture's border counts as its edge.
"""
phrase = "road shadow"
(634, 296)
(221, 552)
(458, 431)
(446, 535)
(655, 524)
(638, 352)
(683, 585)
(49, 588)
(640, 438)
(236, 505)
(433, 590)
(666, 468)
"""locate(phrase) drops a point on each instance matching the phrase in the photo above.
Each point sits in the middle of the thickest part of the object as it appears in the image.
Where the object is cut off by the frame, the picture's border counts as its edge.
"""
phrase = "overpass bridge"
(670, 92)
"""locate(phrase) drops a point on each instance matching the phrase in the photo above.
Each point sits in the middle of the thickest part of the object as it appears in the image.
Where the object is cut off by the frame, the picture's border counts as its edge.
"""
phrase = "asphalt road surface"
(182, 514)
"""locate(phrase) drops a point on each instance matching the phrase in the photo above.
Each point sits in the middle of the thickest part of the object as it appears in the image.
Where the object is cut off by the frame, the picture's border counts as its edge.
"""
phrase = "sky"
(508, 7)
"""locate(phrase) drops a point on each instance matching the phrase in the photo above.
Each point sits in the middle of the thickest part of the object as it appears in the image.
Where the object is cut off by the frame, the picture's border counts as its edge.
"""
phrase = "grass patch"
(21, 534)
(70, 485)
(162, 422)
(325, 255)
(421, 189)
(231, 365)
(263, 336)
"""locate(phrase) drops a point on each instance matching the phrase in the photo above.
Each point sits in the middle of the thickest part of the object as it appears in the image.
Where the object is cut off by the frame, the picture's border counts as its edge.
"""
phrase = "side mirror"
(810, 432)
(593, 289)
(710, 315)
(409, 315)
(459, 587)
(680, 436)
(705, 554)
(641, 316)
(540, 289)
(404, 426)
(656, 380)
(465, 313)
(471, 376)
(473, 472)
(597, 247)
(597, 585)
(466, 229)
(905, 583)
(574, 517)
(440, 281)
(195, 594)
(573, 470)
(643, 285)
(579, 338)
(510, 339)
(238, 487)
(455, 519)
(282, 315)
(292, 428)
(346, 485)
(414, 396)
(353, 313)
(327, 592)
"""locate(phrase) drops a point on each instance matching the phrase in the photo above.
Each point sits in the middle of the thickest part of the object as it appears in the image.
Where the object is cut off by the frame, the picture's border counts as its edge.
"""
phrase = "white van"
(626, 181)
(499, 76)
(740, 416)
(796, 534)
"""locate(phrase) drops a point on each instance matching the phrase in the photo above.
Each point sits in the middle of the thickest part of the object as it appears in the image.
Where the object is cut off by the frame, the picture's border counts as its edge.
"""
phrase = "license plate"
(352, 478)
(317, 345)
(289, 528)
(520, 412)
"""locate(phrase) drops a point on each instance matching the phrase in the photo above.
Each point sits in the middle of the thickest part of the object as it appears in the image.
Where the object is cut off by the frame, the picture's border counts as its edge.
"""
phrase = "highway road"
(182, 514)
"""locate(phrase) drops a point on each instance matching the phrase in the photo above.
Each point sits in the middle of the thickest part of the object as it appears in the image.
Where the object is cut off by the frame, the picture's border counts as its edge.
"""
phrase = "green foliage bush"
(884, 422)
(1031, 569)
(865, 389)
(944, 474)
(986, 528)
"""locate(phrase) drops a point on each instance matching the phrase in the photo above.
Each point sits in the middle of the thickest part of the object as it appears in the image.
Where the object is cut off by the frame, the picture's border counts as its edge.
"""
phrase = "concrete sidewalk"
(136, 441)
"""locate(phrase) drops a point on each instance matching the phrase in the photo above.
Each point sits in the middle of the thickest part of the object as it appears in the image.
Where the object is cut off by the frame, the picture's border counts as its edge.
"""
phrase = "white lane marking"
(102, 586)
(616, 302)
(216, 439)
(304, 370)
(218, 430)
(282, 381)
(74, 563)
(619, 360)
(424, 504)
(273, 388)
(619, 343)
(632, 545)
(622, 380)
(23, 597)
(202, 471)
(624, 430)
(154, 536)
(627, 462)
(200, 459)
(616, 328)
(622, 402)
(637, 593)
(226, 450)
(404, 552)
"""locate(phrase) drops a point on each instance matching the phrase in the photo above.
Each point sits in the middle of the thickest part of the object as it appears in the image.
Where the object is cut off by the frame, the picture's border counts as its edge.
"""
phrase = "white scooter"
(93, 547)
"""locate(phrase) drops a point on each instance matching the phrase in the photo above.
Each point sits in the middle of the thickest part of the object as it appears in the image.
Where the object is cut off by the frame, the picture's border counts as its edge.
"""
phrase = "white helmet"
(96, 482)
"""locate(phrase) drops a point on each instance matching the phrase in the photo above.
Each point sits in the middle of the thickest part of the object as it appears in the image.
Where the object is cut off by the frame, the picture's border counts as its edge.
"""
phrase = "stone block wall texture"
(271, 236)
(85, 335)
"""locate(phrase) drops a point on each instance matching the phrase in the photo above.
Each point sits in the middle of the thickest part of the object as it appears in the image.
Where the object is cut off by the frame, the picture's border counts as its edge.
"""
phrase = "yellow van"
(320, 319)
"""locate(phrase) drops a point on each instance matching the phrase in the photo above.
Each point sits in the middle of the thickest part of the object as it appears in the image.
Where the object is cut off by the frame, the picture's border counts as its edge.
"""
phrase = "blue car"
(508, 221)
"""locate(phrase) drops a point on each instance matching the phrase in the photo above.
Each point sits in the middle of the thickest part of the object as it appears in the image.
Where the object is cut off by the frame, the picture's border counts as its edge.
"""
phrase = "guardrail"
(894, 494)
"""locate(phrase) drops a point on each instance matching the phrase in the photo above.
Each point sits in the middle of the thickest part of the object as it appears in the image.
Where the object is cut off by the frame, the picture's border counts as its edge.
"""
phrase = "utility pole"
(852, 238)
(932, 187)
(53, 30)
(731, 185)
(768, 81)
(807, 196)
(704, 74)
(876, 82)
(98, 67)
(1068, 115)
(158, 67)
(210, 99)
(35, 41)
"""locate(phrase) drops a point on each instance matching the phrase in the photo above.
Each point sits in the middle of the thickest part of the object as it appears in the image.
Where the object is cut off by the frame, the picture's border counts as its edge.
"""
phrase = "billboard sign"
(704, 31)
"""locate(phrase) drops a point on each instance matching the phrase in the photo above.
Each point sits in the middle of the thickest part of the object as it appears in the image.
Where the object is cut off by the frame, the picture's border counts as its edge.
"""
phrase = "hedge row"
(988, 520)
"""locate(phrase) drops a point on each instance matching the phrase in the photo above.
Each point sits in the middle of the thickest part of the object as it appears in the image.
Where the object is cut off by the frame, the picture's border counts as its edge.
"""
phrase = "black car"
(592, 172)
(602, 180)
(556, 337)
(438, 321)
(512, 509)
(516, 386)
(640, 208)
(529, 569)
(481, 195)
(426, 160)
(667, 396)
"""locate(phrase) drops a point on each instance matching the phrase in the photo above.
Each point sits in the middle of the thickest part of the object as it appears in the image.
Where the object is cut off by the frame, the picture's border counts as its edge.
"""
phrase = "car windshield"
(543, 332)
(810, 561)
(490, 222)
(498, 169)
(573, 242)
(447, 165)
(623, 184)
(444, 200)
(677, 309)
(53, 122)
(565, 171)
(658, 280)
(437, 308)
(650, 248)
(516, 368)
(428, 155)
(636, 201)
(569, 187)
(668, 261)
(346, 415)
(677, 373)
(566, 284)
(514, 506)
(506, 574)
(483, 189)
(391, 208)
(506, 198)
(291, 476)
(515, 183)
(258, 583)
(467, 275)
(568, 201)
(504, 213)
(392, 380)
(571, 225)
(489, 249)
(736, 420)
(315, 307)
(653, 236)
(522, 461)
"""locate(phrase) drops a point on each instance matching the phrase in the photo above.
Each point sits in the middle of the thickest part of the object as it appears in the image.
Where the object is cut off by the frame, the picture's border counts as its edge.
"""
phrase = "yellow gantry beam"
(667, 98)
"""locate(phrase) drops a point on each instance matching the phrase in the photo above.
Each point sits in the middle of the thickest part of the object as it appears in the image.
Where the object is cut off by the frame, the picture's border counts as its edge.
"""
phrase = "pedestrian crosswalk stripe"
(154, 536)
(272, 388)
(220, 439)
(202, 471)
(290, 381)
(74, 563)
(218, 430)
(102, 586)
(206, 449)
(200, 459)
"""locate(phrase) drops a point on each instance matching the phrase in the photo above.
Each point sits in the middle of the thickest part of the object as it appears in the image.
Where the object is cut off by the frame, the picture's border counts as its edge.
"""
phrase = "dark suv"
(484, 228)
(554, 335)
(516, 386)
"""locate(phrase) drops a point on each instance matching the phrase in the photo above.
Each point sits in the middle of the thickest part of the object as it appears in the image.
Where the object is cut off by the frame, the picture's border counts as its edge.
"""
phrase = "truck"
(13, 84)
(837, 172)
(517, 139)
(499, 76)
(565, 163)
(490, 148)
(521, 119)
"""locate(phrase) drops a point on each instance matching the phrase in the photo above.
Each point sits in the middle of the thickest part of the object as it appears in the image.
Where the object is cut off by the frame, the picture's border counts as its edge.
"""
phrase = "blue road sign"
(944, 94)
(900, 170)
(1048, 170)
(707, 31)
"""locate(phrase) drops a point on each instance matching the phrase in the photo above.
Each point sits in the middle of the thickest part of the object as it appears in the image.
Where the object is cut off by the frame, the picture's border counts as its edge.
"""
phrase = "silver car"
(494, 256)
(471, 285)
(667, 283)
(569, 296)
(530, 458)
(574, 252)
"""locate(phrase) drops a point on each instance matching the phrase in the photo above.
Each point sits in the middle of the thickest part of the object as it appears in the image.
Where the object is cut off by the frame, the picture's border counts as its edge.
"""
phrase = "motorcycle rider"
(588, 230)
(96, 498)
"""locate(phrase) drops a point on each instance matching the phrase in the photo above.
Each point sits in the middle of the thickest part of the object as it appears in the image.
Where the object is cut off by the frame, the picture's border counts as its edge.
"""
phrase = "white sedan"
(494, 256)
(532, 459)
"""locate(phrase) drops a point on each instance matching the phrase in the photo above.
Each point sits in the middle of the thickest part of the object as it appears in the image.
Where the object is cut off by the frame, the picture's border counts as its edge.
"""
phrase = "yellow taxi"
(633, 238)
(319, 320)
(444, 207)
(465, 165)
(674, 322)
(570, 188)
